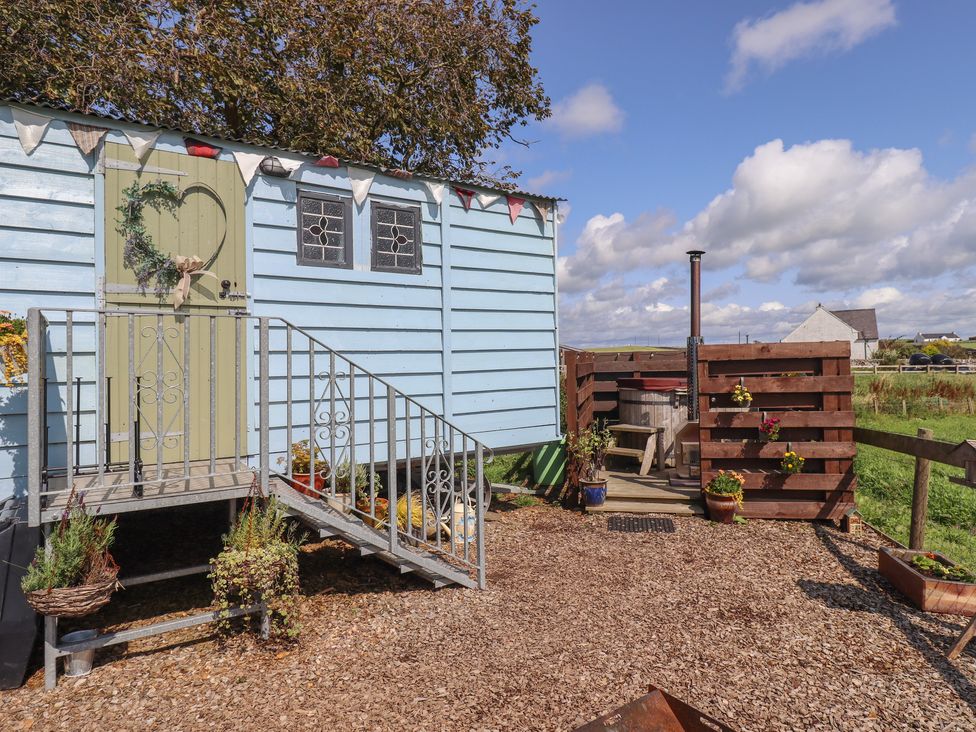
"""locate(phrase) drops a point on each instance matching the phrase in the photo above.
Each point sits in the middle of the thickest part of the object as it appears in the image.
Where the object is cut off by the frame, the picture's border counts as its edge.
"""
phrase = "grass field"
(885, 478)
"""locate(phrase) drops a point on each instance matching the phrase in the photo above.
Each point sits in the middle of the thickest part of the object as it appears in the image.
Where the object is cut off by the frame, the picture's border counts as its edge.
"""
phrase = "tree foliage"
(426, 85)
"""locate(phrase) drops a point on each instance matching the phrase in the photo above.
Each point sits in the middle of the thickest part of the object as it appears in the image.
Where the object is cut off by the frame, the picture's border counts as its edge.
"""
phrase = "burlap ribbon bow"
(187, 267)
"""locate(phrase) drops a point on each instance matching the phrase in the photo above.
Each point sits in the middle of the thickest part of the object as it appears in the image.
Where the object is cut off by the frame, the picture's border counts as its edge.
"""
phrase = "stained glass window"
(396, 238)
(324, 232)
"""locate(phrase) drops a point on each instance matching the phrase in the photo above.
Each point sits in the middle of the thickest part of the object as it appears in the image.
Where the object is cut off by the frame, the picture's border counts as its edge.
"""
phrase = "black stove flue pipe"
(694, 339)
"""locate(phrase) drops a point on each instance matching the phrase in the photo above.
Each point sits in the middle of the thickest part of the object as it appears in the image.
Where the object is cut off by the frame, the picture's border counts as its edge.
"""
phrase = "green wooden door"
(172, 356)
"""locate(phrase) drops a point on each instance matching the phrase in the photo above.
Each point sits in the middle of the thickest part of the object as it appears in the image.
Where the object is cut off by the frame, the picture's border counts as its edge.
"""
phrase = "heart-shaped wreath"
(140, 253)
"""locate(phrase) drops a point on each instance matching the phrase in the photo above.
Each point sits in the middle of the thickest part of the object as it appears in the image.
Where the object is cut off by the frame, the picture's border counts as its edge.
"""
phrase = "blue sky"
(819, 151)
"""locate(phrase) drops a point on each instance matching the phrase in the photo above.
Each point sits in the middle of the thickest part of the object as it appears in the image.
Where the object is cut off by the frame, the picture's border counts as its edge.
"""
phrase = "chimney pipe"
(694, 338)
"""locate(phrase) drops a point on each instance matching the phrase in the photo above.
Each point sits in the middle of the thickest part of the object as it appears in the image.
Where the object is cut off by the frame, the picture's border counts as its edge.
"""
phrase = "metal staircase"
(140, 414)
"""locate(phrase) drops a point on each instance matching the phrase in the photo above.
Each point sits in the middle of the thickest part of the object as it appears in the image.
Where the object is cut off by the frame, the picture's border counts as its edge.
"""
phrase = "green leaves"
(429, 86)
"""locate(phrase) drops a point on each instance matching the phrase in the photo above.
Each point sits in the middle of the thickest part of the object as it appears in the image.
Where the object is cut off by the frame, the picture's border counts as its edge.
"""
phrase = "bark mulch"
(767, 626)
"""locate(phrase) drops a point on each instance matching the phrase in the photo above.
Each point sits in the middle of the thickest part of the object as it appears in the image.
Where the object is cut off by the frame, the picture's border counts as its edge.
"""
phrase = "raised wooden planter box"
(926, 593)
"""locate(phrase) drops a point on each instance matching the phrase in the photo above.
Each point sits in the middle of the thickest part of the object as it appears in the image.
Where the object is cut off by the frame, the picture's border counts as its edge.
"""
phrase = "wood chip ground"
(767, 626)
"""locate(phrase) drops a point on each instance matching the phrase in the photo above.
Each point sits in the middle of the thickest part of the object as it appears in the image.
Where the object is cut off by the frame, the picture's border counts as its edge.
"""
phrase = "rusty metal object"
(657, 711)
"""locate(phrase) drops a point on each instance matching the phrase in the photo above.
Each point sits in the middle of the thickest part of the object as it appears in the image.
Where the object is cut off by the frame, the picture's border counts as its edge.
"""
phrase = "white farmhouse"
(860, 327)
(923, 338)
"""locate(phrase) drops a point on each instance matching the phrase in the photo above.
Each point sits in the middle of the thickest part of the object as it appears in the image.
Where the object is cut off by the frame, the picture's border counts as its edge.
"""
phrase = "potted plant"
(374, 511)
(723, 496)
(588, 452)
(13, 348)
(931, 581)
(259, 563)
(791, 464)
(76, 575)
(301, 469)
(769, 429)
(741, 396)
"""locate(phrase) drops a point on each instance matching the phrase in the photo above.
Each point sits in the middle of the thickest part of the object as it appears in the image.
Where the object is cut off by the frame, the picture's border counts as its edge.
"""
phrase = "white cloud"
(821, 219)
(590, 111)
(804, 29)
(547, 178)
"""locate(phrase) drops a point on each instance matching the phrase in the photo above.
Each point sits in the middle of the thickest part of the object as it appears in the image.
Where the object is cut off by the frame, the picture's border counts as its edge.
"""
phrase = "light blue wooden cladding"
(473, 336)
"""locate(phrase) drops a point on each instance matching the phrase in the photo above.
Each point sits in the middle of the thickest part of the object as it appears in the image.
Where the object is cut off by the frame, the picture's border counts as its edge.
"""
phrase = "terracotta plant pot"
(721, 508)
(594, 491)
(382, 511)
(300, 482)
(929, 594)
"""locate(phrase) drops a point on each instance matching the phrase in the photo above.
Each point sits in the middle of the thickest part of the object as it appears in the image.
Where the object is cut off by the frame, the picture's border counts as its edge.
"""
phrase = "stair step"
(653, 493)
(631, 506)
(635, 429)
(326, 518)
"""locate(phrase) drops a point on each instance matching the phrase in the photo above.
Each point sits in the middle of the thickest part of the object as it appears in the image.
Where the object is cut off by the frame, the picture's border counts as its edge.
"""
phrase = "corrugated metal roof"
(17, 99)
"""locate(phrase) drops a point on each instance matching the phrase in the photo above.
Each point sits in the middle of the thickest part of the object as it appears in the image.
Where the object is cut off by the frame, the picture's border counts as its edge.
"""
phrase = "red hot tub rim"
(653, 383)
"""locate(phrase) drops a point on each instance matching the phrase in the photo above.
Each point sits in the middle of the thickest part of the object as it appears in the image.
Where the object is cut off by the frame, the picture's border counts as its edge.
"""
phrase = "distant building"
(921, 338)
(860, 327)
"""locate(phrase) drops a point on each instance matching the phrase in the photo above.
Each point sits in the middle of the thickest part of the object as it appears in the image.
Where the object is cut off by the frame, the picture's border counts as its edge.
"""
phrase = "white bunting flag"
(436, 191)
(290, 164)
(543, 207)
(562, 211)
(86, 137)
(486, 199)
(360, 180)
(30, 128)
(248, 164)
(142, 142)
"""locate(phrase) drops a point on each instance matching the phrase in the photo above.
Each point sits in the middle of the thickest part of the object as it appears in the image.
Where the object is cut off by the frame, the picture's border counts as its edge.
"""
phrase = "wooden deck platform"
(114, 493)
(628, 492)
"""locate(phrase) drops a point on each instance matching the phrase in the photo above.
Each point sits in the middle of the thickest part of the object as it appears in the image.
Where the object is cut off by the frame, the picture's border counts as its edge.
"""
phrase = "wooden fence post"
(920, 496)
(904, 408)
(572, 381)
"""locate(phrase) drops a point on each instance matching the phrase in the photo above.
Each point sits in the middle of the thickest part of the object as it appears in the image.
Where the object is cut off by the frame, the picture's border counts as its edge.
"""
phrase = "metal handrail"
(157, 397)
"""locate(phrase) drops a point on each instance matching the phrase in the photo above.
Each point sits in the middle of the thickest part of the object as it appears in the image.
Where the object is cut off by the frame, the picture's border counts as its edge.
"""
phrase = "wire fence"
(915, 406)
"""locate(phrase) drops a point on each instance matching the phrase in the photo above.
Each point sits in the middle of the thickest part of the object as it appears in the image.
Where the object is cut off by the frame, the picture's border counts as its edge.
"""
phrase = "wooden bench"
(654, 444)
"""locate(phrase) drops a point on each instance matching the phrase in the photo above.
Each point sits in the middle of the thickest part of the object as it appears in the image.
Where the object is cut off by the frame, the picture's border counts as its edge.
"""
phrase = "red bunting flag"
(327, 161)
(201, 149)
(465, 195)
(515, 207)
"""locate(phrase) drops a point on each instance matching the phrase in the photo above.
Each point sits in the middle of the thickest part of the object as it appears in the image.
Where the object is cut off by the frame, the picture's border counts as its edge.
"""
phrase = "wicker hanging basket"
(75, 602)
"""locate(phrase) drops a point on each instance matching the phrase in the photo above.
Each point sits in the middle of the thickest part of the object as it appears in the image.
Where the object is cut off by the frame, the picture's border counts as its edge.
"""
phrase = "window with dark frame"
(324, 230)
(397, 242)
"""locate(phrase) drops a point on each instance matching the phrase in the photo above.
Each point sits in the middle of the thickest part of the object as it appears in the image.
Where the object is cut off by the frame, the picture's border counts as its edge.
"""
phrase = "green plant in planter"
(929, 564)
(344, 478)
(587, 451)
(727, 483)
(301, 458)
(259, 563)
(78, 555)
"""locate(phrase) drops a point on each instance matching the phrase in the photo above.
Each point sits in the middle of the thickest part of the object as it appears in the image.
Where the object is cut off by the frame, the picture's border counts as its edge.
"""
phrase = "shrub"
(79, 553)
(259, 563)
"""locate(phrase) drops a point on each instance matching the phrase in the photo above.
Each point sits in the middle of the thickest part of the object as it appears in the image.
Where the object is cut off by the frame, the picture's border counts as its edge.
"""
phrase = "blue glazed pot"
(594, 493)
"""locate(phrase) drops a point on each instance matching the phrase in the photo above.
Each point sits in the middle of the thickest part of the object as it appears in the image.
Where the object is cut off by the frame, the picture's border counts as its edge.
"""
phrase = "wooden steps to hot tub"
(632, 493)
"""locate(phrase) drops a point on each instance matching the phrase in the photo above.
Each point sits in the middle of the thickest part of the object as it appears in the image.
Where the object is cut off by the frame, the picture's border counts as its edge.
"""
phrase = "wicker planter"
(73, 602)
(926, 593)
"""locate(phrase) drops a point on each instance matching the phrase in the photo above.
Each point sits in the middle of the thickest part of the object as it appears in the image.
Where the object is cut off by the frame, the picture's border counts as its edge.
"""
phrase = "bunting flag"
(514, 207)
(291, 164)
(248, 164)
(398, 173)
(562, 211)
(486, 199)
(30, 128)
(436, 191)
(360, 180)
(328, 161)
(201, 149)
(543, 207)
(86, 137)
(142, 142)
(465, 195)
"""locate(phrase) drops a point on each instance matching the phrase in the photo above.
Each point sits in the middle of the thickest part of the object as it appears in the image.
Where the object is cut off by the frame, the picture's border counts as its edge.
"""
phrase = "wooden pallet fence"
(808, 386)
(591, 380)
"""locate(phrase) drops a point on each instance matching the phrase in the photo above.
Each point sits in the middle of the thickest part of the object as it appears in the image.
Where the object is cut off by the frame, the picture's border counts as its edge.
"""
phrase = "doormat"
(640, 524)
